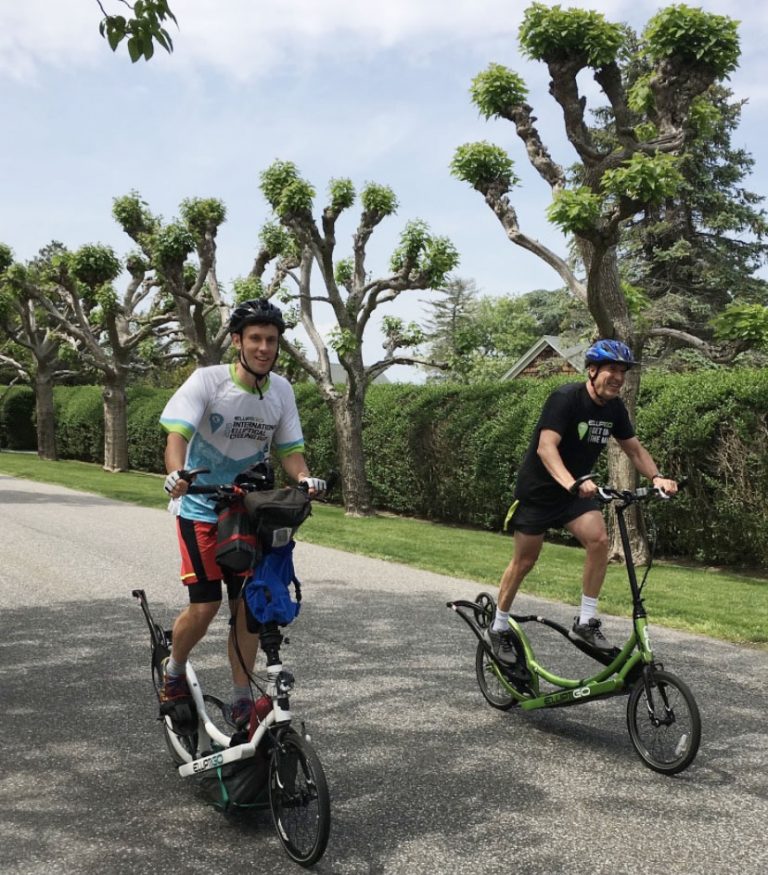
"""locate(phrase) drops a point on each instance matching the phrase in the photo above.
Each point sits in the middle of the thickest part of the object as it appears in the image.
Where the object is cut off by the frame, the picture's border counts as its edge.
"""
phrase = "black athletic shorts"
(535, 519)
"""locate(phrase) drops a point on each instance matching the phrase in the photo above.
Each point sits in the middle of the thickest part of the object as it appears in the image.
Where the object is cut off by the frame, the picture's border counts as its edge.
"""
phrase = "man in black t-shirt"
(572, 431)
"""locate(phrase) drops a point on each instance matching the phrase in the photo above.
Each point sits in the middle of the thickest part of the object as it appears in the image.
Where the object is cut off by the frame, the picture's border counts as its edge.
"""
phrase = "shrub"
(17, 418)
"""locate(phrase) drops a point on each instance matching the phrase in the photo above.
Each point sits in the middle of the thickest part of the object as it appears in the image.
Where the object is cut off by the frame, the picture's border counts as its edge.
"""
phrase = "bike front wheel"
(664, 723)
(299, 799)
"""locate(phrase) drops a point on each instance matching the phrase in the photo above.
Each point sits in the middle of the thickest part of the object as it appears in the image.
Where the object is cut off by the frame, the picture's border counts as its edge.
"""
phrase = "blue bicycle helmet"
(602, 352)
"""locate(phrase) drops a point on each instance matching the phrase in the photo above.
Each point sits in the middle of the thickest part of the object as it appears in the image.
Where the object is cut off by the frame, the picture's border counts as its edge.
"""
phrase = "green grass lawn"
(715, 603)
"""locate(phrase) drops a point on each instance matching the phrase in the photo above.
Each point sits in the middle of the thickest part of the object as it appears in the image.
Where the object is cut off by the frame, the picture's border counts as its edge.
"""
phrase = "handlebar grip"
(189, 476)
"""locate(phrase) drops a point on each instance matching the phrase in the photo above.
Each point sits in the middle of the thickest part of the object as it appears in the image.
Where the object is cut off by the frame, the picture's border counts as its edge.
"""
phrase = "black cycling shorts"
(210, 590)
(535, 519)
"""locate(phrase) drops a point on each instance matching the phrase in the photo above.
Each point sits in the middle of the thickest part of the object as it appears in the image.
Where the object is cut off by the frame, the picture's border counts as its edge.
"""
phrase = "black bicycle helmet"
(604, 351)
(256, 312)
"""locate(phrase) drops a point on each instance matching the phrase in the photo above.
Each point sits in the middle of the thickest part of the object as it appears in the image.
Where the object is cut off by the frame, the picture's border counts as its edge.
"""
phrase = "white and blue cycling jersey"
(229, 427)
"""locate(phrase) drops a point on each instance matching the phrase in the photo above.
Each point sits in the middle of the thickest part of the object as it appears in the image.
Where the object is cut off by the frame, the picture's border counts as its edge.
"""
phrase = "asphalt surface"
(425, 777)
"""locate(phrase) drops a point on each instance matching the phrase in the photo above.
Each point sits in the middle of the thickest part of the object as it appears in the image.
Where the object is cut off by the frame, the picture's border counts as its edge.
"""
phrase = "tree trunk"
(348, 419)
(622, 475)
(46, 433)
(115, 426)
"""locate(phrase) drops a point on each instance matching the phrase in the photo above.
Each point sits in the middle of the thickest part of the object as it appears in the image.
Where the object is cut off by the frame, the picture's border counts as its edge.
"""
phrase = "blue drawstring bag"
(266, 593)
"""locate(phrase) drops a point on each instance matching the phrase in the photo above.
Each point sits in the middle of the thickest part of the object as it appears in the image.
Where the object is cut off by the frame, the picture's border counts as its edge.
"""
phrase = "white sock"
(175, 669)
(588, 609)
(501, 621)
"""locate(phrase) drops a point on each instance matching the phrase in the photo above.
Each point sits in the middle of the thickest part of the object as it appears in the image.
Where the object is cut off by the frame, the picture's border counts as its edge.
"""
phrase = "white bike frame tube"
(230, 754)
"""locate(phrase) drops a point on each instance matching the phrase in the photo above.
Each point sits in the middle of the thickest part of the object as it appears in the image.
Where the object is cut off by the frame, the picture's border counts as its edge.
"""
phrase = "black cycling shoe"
(589, 633)
(501, 645)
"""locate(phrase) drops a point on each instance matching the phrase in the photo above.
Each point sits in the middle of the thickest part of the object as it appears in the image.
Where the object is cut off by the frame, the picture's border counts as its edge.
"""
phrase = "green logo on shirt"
(583, 428)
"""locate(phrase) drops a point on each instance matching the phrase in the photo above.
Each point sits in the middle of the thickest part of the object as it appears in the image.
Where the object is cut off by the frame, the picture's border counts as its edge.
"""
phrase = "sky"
(377, 92)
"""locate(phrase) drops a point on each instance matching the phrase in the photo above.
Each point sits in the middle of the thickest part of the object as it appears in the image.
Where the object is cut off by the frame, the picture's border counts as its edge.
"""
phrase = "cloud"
(247, 39)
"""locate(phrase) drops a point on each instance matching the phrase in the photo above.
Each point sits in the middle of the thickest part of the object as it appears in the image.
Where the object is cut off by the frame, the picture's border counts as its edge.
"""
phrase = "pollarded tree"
(298, 244)
(38, 353)
(687, 51)
(80, 299)
(202, 314)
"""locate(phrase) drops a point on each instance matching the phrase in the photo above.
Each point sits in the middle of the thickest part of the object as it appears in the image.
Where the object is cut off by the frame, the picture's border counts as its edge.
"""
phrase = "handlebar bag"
(237, 547)
(267, 595)
(277, 513)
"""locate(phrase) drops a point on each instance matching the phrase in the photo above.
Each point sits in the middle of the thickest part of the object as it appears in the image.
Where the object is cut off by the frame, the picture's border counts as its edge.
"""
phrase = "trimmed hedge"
(450, 452)
(17, 413)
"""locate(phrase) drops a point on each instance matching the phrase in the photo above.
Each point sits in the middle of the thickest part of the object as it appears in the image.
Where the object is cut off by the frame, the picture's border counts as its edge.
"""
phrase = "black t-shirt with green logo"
(584, 427)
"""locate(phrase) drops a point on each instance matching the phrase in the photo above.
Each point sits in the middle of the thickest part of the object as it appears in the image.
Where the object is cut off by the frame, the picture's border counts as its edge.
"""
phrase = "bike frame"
(279, 716)
(622, 667)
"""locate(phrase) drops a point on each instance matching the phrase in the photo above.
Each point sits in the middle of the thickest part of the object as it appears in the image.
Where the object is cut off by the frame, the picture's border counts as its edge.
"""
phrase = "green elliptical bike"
(662, 715)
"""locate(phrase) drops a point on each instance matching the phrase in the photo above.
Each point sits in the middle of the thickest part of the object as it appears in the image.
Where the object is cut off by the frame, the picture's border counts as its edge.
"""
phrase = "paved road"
(425, 777)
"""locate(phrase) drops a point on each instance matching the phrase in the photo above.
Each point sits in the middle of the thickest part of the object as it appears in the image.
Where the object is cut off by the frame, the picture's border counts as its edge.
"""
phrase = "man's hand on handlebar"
(176, 483)
(667, 486)
(316, 487)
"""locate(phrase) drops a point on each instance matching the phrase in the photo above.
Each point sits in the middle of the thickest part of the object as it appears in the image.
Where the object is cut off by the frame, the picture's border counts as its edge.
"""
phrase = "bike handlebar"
(228, 489)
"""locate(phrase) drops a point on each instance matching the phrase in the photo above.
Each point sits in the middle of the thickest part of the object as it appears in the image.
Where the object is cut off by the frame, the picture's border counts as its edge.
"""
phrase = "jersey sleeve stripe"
(284, 450)
(178, 426)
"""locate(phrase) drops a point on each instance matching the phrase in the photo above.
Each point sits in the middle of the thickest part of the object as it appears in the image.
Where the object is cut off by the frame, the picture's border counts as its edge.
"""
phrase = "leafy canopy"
(497, 89)
(694, 36)
(483, 165)
(553, 34)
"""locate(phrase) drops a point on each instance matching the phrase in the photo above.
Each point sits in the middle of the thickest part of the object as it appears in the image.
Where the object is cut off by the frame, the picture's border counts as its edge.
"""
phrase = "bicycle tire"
(493, 689)
(666, 734)
(299, 799)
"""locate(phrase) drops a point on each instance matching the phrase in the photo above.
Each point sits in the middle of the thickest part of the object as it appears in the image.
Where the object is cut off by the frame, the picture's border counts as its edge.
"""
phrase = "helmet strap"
(258, 377)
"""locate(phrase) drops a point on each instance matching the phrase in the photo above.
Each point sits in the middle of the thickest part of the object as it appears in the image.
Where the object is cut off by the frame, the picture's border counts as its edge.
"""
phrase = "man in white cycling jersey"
(226, 418)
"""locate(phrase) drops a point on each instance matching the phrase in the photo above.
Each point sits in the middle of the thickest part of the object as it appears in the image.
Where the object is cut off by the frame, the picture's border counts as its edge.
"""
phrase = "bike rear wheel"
(299, 799)
(493, 689)
(664, 724)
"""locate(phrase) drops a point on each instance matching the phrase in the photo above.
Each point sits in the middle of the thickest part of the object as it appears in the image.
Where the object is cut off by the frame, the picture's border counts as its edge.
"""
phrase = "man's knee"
(598, 542)
(201, 613)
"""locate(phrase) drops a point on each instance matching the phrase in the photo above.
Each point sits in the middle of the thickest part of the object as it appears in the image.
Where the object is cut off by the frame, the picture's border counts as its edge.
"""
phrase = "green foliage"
(202, 215)
(6, 257)
(694, 36)
(552, 34)
(640, 94)
(285, 190)
(496, 90)
(483, 165)
(647, 179)
(342, 341)
(133, 215)
(146, 438)
(276, 241)
(341, 193)
(400, 335)
(431, 257)
(379, 200)
(575, 210)
(142, 30)
(344, 271)
(94, 265)
(172, 244)
(247, 288)
(17, 418)
(79, 413)
(743, 322)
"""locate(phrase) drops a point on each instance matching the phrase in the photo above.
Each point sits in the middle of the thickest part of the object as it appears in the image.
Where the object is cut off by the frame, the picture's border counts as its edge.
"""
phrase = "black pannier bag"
(239, 784)
(237, 547)
(276, 514)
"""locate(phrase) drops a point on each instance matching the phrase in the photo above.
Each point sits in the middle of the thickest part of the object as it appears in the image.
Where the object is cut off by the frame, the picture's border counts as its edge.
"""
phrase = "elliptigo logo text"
(580, 693)
(208, 763)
